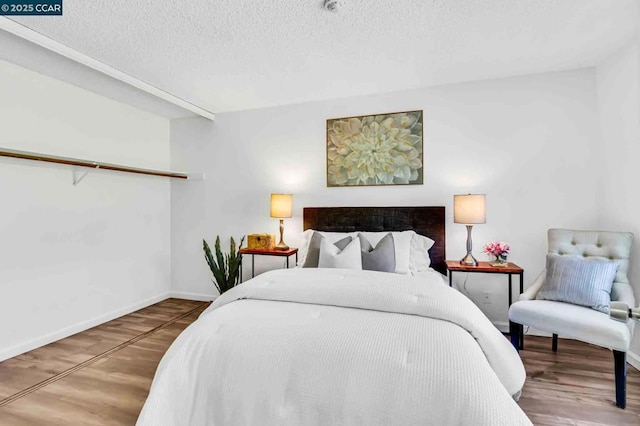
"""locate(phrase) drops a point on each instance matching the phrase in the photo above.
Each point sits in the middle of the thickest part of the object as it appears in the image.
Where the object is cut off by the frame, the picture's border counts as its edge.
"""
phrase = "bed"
(319, 346)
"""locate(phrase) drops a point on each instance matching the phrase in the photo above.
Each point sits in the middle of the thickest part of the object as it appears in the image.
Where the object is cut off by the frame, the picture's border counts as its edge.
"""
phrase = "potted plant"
(225, 267)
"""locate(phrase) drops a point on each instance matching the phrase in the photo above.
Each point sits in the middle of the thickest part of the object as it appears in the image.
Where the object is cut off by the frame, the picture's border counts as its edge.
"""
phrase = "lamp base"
(281, 246)
(469, 260)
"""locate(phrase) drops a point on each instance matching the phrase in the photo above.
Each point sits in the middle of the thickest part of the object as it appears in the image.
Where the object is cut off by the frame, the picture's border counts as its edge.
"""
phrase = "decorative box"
(261, 241)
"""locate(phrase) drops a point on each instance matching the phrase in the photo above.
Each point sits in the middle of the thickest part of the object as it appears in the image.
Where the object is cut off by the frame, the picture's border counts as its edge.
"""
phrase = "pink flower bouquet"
(498, 250)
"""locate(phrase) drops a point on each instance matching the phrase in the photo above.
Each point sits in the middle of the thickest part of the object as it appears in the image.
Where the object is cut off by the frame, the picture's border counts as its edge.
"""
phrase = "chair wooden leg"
(620, 362)
(513, 335)
(521, 333)
(517, 335)
(554, 343)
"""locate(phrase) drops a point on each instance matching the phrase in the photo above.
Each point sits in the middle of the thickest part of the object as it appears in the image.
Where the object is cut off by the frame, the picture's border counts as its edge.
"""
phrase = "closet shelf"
(94, 164)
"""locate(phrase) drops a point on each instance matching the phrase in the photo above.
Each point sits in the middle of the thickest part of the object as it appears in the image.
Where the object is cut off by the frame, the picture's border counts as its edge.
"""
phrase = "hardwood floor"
(575, 386)
(102, 376)
(97, 377)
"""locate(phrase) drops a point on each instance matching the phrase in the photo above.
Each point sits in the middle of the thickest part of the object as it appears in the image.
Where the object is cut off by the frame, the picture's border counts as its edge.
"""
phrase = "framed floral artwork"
(372, 150)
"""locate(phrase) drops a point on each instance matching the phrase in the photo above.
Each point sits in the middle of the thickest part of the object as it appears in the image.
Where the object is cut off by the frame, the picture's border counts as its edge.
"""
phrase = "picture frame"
(375, 150)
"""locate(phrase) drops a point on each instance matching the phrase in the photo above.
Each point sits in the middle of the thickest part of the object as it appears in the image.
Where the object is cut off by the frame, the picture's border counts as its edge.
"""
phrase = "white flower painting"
(375, 150)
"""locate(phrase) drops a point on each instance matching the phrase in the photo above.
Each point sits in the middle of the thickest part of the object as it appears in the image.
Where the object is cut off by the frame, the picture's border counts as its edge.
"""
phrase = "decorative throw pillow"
(402, 244)
(382, 257)
(313, 250)
(305, 240)
(581, 281)
(332, 257)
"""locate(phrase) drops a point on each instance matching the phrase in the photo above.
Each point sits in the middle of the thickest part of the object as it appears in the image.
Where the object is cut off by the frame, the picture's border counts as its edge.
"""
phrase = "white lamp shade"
(469, 209)
(281, 205)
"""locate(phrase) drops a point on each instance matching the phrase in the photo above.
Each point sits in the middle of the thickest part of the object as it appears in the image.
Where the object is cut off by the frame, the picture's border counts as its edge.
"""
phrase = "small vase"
(499, 260)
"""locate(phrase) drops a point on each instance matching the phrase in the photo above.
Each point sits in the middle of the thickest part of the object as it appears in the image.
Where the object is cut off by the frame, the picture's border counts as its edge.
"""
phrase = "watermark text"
(31, 7)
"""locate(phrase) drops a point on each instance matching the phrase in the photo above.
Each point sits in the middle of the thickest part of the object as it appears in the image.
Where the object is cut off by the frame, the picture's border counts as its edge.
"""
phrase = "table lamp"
(281, 206)
(469, 209)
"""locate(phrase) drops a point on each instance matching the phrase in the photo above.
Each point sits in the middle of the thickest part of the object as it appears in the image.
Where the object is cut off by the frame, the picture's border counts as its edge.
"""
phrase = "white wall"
(619, 112)
(529, 143)
(191, 149)
(74, 256)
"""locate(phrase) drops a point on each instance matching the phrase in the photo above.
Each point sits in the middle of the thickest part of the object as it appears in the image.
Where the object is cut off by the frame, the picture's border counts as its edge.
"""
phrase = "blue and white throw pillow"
(581, 281)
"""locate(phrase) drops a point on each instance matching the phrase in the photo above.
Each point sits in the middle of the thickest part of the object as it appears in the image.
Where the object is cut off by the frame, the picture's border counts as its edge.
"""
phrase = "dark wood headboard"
(427, 221)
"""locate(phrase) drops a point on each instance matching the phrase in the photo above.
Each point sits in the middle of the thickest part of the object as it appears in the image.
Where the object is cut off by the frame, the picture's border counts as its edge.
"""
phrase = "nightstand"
(485, 267)
(255, 252)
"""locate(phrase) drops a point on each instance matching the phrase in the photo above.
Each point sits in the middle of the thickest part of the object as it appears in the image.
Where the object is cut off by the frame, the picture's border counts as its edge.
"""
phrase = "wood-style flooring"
(98, 377)
(575, 386)
(102, 376)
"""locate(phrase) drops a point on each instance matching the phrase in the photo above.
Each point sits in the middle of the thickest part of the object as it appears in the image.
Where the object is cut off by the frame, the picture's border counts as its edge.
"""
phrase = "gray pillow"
(313, 251)
(382, 258)
(581, 281)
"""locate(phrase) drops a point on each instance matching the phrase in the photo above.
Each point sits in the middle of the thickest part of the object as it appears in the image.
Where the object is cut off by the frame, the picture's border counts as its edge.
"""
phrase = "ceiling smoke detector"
(331, 5)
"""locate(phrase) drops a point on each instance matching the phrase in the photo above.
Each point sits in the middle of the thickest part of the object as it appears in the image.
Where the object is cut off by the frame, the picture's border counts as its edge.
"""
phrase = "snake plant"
(225, 267)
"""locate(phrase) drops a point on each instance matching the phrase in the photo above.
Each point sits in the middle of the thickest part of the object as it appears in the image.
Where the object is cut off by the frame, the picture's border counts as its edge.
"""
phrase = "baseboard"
(93, 322)
(530, 331)
(192, 296)
(634, 360)
(77, 328)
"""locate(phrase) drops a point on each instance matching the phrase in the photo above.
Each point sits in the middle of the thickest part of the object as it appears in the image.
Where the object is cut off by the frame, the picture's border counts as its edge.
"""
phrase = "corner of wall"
(618, 101)
(191, 141)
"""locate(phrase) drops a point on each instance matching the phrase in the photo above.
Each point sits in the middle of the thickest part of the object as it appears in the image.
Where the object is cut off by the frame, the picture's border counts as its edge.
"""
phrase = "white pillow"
(402, 244)
(419, 259)
(332, 257)
(412, 250)
(332, 237)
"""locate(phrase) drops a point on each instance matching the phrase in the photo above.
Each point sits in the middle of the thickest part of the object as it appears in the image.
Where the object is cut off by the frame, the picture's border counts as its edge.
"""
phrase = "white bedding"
(338, 347)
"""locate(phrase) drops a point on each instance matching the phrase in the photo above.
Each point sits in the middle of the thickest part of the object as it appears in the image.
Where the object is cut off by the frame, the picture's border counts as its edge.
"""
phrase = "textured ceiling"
(226, 55)
(28, 55)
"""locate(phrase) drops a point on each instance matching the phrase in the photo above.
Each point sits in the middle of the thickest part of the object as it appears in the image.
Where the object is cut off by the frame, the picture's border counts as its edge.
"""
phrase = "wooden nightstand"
(510, 269)
(254, 252)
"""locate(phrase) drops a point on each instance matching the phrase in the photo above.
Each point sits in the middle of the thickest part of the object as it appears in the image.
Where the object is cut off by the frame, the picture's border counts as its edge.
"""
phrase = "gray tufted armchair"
(578, 322)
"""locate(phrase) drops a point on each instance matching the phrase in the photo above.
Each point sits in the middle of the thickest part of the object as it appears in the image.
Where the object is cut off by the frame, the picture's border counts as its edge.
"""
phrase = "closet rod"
(90, 164)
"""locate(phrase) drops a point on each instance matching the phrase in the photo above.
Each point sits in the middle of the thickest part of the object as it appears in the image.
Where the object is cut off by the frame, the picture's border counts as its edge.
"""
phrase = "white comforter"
(338, 347)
